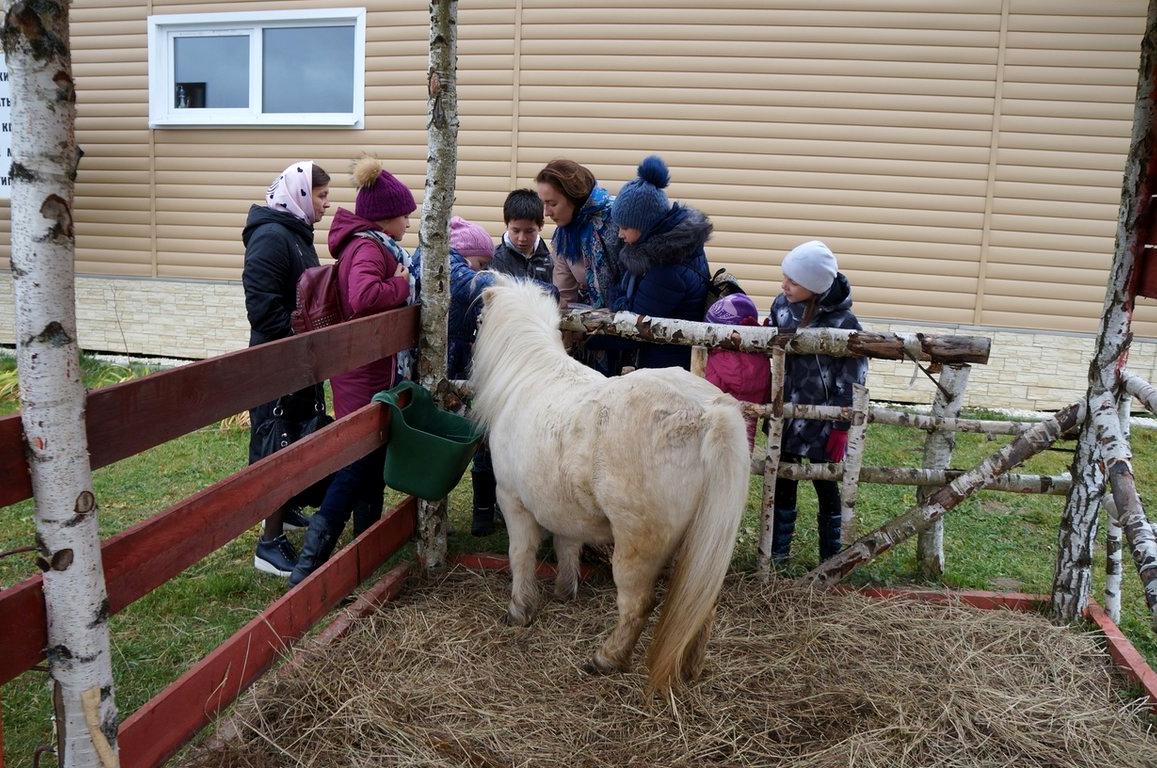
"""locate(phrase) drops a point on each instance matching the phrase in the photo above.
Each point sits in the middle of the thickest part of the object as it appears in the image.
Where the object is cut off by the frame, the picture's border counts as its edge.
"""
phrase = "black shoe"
(315, 550)
(276, 557)
(782, 532)
(292, 519)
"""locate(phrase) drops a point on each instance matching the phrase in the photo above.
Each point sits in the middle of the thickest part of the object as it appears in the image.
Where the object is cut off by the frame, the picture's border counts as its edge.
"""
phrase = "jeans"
(359, 487)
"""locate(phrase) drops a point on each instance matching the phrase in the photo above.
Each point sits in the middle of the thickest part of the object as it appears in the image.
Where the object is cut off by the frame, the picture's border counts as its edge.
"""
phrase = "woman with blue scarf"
(586, 239)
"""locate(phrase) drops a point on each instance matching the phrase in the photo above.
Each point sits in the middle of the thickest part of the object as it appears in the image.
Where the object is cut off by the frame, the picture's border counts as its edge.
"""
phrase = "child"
(471, 250)
(523, 252)
(743, 375)
(815, 295)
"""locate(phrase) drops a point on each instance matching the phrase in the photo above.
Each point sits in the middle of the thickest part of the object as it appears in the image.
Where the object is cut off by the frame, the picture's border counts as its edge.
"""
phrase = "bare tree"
(1072, 576)
(434, 240)
(52, 395)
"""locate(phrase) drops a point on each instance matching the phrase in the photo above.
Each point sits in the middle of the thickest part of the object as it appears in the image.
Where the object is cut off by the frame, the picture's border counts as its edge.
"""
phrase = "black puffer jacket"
(817, 379)
(278, 248)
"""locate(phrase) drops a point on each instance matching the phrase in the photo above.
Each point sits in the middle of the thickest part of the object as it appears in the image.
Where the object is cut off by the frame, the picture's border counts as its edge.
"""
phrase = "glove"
(837, 445)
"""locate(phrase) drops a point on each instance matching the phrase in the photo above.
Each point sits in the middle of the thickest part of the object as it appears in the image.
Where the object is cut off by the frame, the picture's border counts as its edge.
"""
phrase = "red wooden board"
(167, 721)
(141, 558)
(128, 418)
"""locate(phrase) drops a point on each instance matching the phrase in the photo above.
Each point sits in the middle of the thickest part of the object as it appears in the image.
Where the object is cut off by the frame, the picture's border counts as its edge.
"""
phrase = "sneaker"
(292, 519)
(275, 557)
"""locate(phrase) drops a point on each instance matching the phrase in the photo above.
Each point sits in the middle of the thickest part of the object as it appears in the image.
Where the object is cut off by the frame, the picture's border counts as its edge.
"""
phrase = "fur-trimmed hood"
(677, 239)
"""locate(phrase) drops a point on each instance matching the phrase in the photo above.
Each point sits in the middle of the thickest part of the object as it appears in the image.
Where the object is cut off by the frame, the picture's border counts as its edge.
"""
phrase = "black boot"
(482, 520)
(318, 545)
(782, 531)
(830, 525)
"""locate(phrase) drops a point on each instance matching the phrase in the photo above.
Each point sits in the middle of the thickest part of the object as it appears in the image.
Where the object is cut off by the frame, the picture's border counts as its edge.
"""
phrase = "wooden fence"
(129, 418)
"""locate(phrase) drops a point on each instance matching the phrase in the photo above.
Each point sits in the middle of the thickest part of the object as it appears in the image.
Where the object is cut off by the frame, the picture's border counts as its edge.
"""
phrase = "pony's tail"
(702, 560)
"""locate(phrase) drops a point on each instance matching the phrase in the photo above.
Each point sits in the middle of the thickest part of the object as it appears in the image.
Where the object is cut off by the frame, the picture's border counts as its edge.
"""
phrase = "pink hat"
(380, 194)
(469, 239)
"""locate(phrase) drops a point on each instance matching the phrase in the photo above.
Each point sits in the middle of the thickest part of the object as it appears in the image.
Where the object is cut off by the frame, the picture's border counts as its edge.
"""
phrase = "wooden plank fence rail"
(141, 558)
(161, 726)
(128, 418)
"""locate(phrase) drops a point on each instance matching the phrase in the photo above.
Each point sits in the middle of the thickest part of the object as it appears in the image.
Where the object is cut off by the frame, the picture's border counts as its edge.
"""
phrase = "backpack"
(318, 299)
(721, 284)
(319, 294)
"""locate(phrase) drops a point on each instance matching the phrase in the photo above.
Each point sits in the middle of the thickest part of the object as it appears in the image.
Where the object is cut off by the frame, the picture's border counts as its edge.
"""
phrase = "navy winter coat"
(278, 248)
(817, 379)
(666, 276)
(466, 287)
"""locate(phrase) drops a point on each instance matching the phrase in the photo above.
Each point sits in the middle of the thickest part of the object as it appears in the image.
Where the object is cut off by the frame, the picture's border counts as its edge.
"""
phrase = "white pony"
(655, 462)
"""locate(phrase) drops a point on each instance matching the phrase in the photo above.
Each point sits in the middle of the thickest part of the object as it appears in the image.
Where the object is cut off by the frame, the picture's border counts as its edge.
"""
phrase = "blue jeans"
(356, 489)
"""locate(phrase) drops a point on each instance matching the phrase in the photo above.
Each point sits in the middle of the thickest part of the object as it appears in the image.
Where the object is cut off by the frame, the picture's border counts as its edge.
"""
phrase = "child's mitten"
(837, 445)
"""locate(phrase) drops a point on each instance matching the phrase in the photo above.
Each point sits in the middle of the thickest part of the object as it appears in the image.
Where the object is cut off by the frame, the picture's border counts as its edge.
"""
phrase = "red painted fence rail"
(126, 419)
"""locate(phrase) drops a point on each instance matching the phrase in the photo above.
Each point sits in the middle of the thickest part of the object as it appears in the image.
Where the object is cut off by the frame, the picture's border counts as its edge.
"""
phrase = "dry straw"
(793, 678)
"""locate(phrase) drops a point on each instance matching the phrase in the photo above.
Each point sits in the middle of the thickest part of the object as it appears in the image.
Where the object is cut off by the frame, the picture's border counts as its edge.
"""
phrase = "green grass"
(993, 541)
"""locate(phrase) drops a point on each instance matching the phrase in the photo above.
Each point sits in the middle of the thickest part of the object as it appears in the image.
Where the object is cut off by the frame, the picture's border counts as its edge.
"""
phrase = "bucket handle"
(419, 396)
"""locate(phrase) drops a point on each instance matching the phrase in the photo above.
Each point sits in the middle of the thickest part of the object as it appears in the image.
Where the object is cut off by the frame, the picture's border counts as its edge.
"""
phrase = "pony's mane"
(519, 345)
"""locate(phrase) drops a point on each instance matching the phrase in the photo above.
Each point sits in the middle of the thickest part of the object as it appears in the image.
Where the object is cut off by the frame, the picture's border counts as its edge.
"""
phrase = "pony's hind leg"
(566, 580)
(635, 576)
(525, 535)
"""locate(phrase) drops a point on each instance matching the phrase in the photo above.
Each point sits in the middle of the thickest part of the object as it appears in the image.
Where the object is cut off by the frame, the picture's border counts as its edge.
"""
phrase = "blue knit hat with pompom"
(642, 203)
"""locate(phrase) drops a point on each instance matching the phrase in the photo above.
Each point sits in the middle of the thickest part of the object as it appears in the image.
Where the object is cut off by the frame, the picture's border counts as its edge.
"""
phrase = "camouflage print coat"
(818, 379)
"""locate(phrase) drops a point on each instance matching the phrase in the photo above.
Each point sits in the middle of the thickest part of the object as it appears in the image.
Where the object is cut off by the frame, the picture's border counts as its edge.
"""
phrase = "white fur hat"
(812, 265)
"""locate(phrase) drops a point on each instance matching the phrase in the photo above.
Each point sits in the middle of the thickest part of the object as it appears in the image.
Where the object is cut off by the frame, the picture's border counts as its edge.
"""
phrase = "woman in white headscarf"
(278, 239)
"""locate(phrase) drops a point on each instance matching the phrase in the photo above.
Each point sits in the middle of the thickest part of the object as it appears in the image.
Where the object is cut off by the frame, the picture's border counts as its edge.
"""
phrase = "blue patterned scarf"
(591, 238)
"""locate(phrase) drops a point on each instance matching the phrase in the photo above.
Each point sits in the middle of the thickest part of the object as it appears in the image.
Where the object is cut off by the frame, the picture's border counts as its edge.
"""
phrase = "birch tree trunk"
(853, 460)
(1072, 577)
(1114, 451)
(52, 396)
(434, 240)
(876, 543)
(771, 466)
(937, 455)
(1112, 593)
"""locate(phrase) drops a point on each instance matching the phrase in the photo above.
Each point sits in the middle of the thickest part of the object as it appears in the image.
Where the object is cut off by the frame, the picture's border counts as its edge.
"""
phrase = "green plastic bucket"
(429, 448)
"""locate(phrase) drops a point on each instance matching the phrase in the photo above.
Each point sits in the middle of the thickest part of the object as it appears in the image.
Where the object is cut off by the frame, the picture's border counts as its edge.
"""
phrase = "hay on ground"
(793, 678)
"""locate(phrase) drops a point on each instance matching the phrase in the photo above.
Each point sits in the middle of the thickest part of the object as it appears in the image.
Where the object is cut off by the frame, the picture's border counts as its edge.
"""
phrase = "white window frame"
(163, 30)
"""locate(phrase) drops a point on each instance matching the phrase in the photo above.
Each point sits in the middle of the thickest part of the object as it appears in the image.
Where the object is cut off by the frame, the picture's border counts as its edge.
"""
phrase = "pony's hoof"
(566, 594)
(596, 668)
(511, 620)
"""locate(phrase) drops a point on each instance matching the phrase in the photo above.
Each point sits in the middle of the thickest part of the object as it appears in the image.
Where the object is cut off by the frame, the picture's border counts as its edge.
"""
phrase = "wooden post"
(434, 240)
(1112, 594)
(850, 483)
(871, 546)
(771, 464)
(938, 455)
(52, 396)
(699, 361)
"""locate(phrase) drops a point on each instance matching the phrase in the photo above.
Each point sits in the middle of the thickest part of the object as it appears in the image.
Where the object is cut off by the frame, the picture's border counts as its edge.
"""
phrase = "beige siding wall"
(963, 159)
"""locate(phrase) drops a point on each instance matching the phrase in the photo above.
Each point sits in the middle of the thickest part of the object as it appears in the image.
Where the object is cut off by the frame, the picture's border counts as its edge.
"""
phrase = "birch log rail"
(880, 415)
(1049, 485)
(823, 341)
(871, 546)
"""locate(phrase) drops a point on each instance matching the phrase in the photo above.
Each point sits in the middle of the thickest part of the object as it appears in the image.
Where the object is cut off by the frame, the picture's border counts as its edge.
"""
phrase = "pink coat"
(368, 286)
(743, 375)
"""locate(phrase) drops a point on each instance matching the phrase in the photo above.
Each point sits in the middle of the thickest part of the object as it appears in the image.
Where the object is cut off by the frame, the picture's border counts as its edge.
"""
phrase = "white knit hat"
(812, 265)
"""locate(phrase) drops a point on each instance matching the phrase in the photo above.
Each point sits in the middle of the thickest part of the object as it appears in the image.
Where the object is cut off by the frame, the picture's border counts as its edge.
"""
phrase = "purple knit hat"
(380, 194)
(733, 310)
(469, 239)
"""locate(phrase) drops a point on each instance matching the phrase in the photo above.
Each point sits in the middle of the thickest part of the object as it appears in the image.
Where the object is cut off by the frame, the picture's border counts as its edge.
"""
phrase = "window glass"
(211, 71)
(308, 69)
